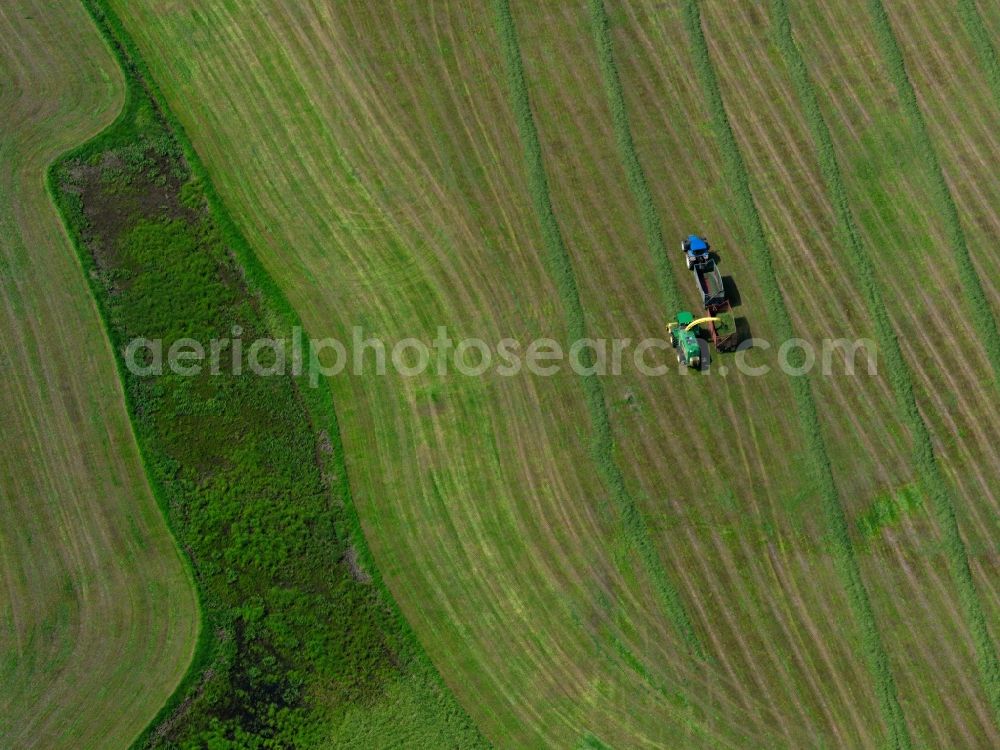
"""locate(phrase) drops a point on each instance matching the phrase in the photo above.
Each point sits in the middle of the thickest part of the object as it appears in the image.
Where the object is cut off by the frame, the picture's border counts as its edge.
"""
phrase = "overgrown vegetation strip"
(651, 226)
(249, 470)
(561, 269)
(979, 308)
(924, 460)
(985, 48)
(735, 172)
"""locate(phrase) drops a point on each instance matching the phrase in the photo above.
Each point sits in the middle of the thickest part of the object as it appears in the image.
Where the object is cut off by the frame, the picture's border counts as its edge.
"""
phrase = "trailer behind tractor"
(722, 327)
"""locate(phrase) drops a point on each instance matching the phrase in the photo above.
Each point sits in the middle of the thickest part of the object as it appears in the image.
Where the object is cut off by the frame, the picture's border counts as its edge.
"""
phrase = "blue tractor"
(695, 250)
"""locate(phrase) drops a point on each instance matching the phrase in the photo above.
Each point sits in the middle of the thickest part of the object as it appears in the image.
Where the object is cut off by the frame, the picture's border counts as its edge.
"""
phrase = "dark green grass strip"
(979, 308)
(561, 269)
(985, 49)
(900, 376)
(735, 173)
(590, 741)
(650, 219)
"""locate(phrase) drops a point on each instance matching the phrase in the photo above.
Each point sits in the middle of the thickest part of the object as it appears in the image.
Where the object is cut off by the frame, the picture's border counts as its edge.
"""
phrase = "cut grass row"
(649, 218)
(975, 298)
(839, 532)
(960, 113)
(913, 619)
(900, 376)
(985, 49)
(934, 484)
(678, 150)
(892, 196)
(642, 195)
(560, 267)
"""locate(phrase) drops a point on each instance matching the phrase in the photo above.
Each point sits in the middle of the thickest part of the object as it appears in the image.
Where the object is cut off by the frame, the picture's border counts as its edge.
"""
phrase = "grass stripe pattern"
(979, 307)
(561, 270)
(735, 172)
(985, 49)
(669, 291)
(925, 462)
(900, 376)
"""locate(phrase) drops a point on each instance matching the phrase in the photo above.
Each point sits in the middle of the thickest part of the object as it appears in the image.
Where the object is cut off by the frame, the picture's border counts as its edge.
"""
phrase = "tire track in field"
(924, 459)
(841, 541)
(562, 271)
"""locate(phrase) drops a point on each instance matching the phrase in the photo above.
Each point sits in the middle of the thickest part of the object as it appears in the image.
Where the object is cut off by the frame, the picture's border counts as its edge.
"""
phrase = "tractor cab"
(684, 339)
(695, 250)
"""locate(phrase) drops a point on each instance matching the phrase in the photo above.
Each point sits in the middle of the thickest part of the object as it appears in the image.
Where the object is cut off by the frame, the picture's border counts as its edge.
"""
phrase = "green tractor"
(684, 338)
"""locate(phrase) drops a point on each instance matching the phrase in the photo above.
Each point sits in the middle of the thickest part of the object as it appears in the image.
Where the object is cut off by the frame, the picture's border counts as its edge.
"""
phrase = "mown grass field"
(505, 535)
(683, 561)
(98, 616)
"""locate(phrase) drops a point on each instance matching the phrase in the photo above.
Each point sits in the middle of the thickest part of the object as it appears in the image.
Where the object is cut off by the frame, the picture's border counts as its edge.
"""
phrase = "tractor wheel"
(696, 363)
(680, 358)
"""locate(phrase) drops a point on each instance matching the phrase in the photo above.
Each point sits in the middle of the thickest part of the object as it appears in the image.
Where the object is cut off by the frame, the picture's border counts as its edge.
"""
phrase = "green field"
(692, 560)
(99, 616)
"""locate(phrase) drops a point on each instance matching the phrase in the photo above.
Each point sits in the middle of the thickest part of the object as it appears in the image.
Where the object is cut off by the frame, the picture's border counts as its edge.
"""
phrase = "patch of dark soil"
(119, 190)
(353, 564)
